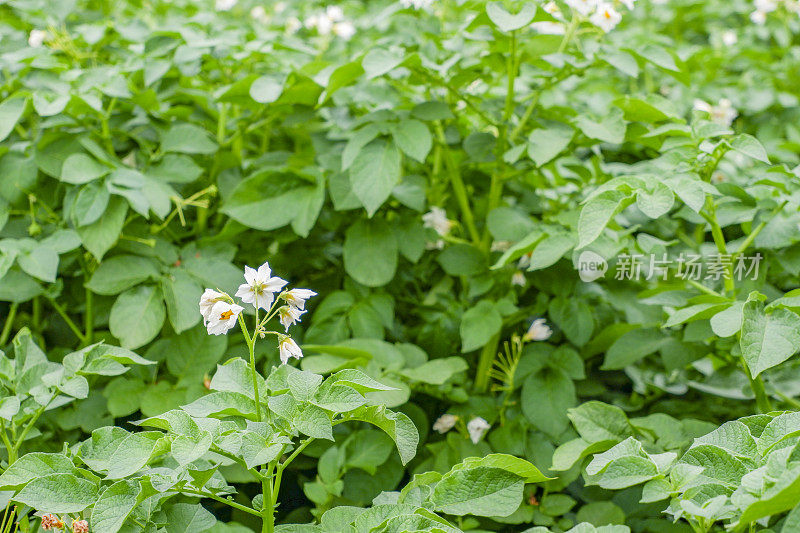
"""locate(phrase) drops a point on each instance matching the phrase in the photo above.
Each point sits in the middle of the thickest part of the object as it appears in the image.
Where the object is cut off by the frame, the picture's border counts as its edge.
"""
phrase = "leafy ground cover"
(516, 266)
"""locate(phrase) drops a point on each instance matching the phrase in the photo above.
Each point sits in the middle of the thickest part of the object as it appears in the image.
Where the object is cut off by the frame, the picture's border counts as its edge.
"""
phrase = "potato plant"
(550, 251)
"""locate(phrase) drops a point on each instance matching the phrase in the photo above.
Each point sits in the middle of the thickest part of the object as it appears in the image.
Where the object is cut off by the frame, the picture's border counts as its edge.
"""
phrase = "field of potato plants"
(400, 266)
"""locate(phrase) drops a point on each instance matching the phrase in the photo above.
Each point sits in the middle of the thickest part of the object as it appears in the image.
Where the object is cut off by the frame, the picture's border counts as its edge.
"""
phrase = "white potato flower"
(334, 13)
(260, 286)
(437, 219)
(259, 13)
(606, 17)
(298, 297)
(539, 331)
(293, 24)
(758, 17)
(36, 38)
(222, 317)
(224, 5)
(584, 7)
(722, 113)
(280, 7)
(288, 315)
(288, 349)
(445, 423)
(518, 278)
(729, 38)
(207, 301)
(345, 30)
(476, 428)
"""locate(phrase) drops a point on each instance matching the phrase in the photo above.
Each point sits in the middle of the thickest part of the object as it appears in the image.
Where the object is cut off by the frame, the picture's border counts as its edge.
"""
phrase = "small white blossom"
(207, 301)
(222, 317)
(288, 349)
(584, 7)
(729, 38)
(547, 27)
(437, 219)
(500, 246)
(334, 13)
(280, 7)
(298, 297)
(606, 17)
(224, 5)
(345, 30)
(293, 24)
(539, 331)
(722, 113)
(260, 286)
(259, 13)
(417, 4)
(629, 4)
(445, 423)
(36, 38)
(758, 17)
(288, 315)
(518, 278)
(476, 428)
(525, 260)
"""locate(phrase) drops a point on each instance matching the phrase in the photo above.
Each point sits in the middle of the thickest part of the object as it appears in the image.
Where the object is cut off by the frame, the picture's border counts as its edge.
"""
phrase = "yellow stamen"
(226, 315)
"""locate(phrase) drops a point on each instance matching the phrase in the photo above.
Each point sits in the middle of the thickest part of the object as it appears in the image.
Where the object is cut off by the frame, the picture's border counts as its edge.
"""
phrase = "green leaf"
(235, 376)
(58, 493)
(80, 168)
(574, 317)
(598, 421)
(768, 339)
(610, 129)
(133, 453)
(41, 262)
(478, 325)
(438, 371)
(266, 89)
(114, 506)
(98, 237)
(188, 518)
(370, 252)
(33, 465)
(508, 22)
(546, 397)
(462, 260)
(413, 138)
(181, 294)
(10, 112)
(631, 347)
(657, 202)
(728, 322)
(90, 204)
(187, 139)
(374, 173)
(545, 144)
(121, 272)
(397, 425)
(137, 316)
(749, 146)
(379, 61)
(596, 214)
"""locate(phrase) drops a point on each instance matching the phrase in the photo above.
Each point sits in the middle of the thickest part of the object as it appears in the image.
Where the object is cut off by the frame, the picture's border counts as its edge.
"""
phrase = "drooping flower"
(722, 113)
(224, 5)
(51, 521)
(288, 348)
(207, 301)
(606, 17)
(476, 428)
(584, 7)
(260, 287)
(437, 219)
(518, 279)
(36, 38)
(539, 331)
(80, 526)
(298, 297)
(288, 315)
(445, 423)
(222, 317)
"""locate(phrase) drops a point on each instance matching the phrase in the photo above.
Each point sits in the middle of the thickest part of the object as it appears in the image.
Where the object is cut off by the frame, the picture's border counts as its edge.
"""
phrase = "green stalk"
(458, 185)
(230, 503)
(75, 329)
(268, 503)
(12, 313)
(251, 343)
(88, 319)
(485, 362)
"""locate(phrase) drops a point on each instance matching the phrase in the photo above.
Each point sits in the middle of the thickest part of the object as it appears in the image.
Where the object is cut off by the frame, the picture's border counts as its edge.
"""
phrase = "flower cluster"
(51, 521)
(763, 7)
(476, 427)
(221, 313)
(722, 113)
(331, 21)
(601, 13)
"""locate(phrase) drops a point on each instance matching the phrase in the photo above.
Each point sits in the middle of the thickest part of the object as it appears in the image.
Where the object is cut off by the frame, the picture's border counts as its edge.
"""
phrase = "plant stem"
(75, 329)
(757, 385)
(251, 347)
(268, 503)
(570, 33)
(485, 362)
(719, 240)
(12, 313)
(230, 503)
(27, 428)
(458, 185)
(88, 318)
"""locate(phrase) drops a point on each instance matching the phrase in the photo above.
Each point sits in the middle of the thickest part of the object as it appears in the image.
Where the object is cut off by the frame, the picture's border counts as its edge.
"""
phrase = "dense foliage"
(561, 234)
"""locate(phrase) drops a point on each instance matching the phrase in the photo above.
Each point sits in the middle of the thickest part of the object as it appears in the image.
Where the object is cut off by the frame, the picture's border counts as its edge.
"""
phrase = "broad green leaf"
(80, 168)
(749, 146)
(728, 322)
(413, 138)
(188, 518)
(596, 214)
(114, 506)
(374, 173)
(598, 421)
(58, 493)
(137, 316)
(545, 144)
(508, 22)
(610, 129)
(187, 139)
(633, 346)
(181, 294)
(266, 89)
(370, 252)
(33, 465)
(768, 339)
(657, 202)
(546, 397)
(40, 261)
(397, 425)
(379, 61)
(11, 111)
(119, 273)
(98, 237)
(478, 325)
